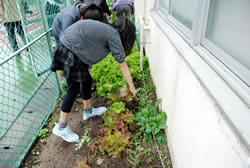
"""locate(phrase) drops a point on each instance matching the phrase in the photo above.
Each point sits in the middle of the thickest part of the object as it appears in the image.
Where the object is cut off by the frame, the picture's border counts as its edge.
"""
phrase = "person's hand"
(133, 91)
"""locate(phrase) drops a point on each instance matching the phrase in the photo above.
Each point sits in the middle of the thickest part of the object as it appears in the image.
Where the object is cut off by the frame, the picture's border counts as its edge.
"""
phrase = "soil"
(54, 152)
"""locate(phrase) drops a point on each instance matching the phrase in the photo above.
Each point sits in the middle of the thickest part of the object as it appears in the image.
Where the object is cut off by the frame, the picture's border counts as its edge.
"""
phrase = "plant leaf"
(161, 138)
(148, 137)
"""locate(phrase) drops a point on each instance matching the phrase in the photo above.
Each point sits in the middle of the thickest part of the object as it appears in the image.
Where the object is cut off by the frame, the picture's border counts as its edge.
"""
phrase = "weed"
(150, 86)
(81, 164)
(85, 139)
(169, 164)
(37, 161)
(64, 88)
(148, 155)
(134, 157)
(44, 133)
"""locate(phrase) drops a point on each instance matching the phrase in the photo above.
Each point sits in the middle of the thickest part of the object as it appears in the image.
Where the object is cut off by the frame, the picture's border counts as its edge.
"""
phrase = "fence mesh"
(28, 91)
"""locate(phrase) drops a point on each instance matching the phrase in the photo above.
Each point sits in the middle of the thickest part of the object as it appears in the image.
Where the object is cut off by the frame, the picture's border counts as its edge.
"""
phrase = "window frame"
(231, 63)
(177, 25)
(229, 69)
(161, 8)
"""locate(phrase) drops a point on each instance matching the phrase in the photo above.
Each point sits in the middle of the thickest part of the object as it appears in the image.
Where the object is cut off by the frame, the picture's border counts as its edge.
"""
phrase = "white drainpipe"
(143, 28)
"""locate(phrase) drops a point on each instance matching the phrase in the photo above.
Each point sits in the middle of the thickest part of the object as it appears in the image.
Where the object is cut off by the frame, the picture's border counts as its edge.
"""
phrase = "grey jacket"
(66, 17)
(91, 41)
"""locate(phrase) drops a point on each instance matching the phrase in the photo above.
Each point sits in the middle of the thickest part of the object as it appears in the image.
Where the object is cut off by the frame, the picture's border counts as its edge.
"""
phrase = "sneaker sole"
(54, 132)
(90, 117)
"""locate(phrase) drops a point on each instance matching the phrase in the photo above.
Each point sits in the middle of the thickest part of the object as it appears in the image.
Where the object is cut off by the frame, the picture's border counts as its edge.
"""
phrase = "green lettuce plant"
(108, 76)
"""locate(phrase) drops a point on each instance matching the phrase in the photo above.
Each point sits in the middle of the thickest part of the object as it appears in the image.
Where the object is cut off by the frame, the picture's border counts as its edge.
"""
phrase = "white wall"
(199, 136)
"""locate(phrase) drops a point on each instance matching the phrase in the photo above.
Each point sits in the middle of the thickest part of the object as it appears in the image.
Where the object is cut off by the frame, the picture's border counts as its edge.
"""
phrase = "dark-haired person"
(103, 5)
(70, 15)
(123, 7)
(105, 9)
(83, 44)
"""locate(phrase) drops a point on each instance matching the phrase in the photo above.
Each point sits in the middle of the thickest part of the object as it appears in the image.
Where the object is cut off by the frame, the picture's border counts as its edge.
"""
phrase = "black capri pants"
(76, 73)
(73, 89)
(126, 9)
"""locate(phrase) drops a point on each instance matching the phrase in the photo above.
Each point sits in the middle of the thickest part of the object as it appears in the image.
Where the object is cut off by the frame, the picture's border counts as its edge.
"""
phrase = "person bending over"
(103, 5)
(70, 15)
(83, 44)
(123, 7)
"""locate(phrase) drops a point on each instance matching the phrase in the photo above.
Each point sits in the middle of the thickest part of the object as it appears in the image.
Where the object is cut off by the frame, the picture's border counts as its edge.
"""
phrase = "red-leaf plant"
(115, 134)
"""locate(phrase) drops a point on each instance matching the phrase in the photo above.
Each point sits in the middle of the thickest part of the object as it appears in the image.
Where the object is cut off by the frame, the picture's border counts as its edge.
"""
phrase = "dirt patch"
(54, 152)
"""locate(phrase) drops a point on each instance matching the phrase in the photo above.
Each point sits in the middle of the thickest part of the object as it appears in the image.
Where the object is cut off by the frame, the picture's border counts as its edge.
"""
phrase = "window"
(228, 29)
(218, 31)
(219, 27)
(164, 4)
(183, 11)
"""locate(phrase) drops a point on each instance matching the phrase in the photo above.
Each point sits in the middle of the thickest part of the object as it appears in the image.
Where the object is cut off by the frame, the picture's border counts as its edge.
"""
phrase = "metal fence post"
(26, 36)
(48, 37)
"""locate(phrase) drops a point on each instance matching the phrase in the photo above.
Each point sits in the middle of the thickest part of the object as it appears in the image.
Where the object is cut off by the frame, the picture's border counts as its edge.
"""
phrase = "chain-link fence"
(28, 90)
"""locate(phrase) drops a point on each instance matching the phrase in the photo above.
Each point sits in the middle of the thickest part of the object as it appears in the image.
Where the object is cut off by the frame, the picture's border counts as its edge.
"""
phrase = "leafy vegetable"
(108, 76)
(116, 136)
(152, 121)
(118, 107)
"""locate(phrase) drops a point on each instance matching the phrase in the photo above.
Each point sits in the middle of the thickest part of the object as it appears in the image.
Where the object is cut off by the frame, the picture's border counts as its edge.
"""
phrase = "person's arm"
(67, 21)
(126, 73)
(116, 48)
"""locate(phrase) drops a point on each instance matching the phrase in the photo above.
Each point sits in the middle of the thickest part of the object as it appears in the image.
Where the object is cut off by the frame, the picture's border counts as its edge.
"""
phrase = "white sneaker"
(65, 133)
(95, 112)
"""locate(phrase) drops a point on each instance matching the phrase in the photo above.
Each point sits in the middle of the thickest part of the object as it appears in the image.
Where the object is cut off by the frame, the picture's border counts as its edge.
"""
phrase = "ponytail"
(126, 29)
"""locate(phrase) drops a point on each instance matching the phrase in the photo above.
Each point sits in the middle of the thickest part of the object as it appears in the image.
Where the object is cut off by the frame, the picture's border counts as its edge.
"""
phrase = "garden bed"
(116, 140)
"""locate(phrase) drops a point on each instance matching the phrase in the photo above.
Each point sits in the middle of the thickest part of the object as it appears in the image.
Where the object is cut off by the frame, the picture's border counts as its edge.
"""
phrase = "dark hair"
(105, 7)
(92, 11)
(126, 29)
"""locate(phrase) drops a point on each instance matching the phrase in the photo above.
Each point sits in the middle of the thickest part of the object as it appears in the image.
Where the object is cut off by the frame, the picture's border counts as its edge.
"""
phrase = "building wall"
(199, 135)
